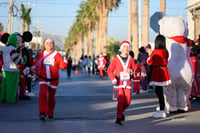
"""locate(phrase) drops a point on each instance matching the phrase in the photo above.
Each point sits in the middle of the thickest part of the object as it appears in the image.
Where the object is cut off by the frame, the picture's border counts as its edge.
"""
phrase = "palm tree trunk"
(23, 26)
(85, 45)
(79, 50)
(104, 30)
(129, 21)
(135, 43)
(145, 25)
(163, 6)
(90, 37)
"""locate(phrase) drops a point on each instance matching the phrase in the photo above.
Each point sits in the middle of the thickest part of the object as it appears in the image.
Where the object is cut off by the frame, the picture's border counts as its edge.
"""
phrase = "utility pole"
(10, 16)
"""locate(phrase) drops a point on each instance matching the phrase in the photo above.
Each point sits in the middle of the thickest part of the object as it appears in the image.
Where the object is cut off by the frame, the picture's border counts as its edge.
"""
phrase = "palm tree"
(25, 16)
(135, 43)
(163, 6)
(145, 23)
(92, 16)
(129, 22)
(104, 6)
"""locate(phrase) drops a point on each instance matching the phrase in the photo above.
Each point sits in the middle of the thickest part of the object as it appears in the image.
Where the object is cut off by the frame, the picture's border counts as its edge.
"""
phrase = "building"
(193, 18)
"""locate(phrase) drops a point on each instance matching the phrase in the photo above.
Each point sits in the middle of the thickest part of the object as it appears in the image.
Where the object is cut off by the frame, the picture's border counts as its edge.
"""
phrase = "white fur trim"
(122, 86)
(160, 83)
(48, 40)
(114, 81)
(48, 83)
(123, 46)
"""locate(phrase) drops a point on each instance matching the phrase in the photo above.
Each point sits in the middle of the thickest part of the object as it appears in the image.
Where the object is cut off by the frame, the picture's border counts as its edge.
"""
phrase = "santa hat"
(49, 40)
(123, 43)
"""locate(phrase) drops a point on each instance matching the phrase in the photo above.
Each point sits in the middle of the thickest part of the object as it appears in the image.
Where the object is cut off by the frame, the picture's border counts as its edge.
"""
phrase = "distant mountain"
(59, 39)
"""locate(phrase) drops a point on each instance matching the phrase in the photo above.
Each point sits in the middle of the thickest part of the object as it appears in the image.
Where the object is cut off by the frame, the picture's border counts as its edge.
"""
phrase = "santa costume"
(157, 59)
(48, 79)
(101, 65)
(160, 76)
(119, 71)
(136, 78)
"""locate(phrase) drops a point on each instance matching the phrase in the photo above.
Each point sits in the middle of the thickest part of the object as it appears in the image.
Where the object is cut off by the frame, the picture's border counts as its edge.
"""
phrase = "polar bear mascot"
(175, 30)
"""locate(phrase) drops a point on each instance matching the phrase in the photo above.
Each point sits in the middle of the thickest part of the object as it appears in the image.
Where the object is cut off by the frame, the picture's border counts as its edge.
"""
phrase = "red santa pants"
(136, 87)
(124, 100)
(101, 71)
(22, 85)
(47, 99)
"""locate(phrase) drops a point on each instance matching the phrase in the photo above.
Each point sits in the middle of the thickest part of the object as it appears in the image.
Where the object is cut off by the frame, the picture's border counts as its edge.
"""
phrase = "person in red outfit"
(120, 73)
(101, 64)
(136, 78)
(48, 78)
(160, 74)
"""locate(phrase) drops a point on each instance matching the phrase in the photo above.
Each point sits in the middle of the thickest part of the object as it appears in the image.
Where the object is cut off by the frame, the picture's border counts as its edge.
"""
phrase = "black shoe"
(181, 111)
(118, 121)
(42, 116)
(123, 117)
(24, 98)
(50, 118)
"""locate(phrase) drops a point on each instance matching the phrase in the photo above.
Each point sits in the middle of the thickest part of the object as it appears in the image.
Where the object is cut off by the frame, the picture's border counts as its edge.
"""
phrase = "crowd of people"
(128, 75)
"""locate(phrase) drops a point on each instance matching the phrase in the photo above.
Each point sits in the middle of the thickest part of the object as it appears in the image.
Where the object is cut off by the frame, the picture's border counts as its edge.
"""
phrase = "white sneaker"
(158, 109)
(159, 114)
(31, 94)
(143, 91)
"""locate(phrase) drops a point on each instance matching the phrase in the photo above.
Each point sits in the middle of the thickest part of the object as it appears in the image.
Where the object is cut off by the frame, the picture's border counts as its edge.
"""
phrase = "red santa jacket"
(160, 73)
(50, 68)
(101, 62)
(117, 66)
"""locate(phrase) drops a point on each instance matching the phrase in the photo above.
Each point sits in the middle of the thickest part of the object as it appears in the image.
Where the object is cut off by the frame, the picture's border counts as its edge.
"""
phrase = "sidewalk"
(84, 105)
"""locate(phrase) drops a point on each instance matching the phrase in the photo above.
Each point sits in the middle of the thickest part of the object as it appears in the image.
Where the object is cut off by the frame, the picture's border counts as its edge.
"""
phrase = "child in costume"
(11, 60)
(119, 71)
(136, 78)
(101, 64)
(50, 62)
(160, 74)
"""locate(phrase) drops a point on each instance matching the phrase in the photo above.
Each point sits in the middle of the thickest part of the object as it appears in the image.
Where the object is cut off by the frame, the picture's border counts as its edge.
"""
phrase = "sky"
(57, 16)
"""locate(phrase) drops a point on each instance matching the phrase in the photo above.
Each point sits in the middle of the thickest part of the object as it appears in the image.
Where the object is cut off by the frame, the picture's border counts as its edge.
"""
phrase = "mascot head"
(21, 39)
(3, 39)
(173, 26)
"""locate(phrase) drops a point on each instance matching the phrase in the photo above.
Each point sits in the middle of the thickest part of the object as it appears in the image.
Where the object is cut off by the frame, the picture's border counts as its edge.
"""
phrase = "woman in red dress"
(160, 74)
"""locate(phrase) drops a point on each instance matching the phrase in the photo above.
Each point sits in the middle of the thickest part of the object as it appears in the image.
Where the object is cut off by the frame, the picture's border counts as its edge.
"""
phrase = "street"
(84, 105)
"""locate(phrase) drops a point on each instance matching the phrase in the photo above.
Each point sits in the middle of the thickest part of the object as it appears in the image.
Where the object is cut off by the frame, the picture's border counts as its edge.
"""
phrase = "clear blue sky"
(57, 16)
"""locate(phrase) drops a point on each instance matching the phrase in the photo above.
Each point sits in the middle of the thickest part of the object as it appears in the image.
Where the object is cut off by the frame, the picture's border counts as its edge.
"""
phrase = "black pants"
(29, 84)
(161, 99)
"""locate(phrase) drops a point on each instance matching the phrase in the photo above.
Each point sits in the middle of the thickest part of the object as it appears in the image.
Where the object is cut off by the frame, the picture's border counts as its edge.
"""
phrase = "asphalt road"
(84, 105)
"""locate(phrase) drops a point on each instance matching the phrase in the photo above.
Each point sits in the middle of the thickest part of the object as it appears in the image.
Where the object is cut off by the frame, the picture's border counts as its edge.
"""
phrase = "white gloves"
(114, 81)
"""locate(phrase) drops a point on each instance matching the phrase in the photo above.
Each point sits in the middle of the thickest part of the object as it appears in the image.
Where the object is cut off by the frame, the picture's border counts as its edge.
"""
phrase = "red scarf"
(181, 40)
